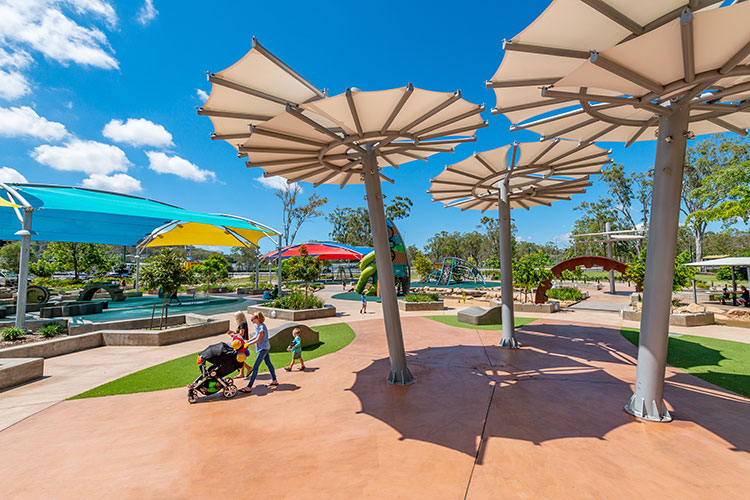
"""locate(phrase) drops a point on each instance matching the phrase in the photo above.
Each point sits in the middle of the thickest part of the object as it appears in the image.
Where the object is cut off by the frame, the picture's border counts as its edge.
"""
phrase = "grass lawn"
(453, 321)
(181, 371)
(721, 362)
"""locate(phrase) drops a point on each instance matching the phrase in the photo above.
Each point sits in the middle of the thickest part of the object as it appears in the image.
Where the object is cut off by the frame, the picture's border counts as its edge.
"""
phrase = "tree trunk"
(699, 247)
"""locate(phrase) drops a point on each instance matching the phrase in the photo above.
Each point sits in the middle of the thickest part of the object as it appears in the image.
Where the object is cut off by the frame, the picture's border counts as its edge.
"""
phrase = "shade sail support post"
(399, 374)
(608, 229)
(648, 400)
(23, 268)
(506, 268)
(279, 263)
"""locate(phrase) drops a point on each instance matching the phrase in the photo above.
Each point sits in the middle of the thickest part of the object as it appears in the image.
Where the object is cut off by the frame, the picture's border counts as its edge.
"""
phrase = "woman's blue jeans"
(262, 356)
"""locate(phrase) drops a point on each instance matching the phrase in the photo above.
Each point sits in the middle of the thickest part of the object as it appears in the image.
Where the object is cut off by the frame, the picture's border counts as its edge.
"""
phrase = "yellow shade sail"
(194, 233)
(6, 203)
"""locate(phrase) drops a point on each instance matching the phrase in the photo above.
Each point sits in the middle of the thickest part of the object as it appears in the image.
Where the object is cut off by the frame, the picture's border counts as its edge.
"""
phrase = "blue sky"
(73, 72)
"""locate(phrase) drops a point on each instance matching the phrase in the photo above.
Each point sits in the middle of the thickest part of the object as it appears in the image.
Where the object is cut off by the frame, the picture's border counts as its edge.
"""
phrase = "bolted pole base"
(639, 409)
(400, 377)
(648, 400)
(511, 343)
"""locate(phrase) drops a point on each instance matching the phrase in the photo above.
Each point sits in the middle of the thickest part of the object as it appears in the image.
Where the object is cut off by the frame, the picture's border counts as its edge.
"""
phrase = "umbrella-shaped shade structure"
(678, 67)
(348, 139)
(321, 250)
(251, 91)
(517, 176)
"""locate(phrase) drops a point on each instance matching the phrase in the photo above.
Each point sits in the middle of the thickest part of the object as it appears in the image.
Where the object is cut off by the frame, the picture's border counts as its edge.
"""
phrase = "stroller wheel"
(192, 395)
(230, 391)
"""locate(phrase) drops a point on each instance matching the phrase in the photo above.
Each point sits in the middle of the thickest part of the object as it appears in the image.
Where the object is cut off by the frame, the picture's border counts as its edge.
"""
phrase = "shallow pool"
(142, 307)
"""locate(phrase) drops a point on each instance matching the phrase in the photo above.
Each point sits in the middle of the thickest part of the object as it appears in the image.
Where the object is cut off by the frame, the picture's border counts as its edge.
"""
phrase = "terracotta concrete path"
(545, 421)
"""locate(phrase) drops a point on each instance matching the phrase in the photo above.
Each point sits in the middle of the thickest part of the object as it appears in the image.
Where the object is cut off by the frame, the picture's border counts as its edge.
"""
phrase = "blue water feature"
(142, 307)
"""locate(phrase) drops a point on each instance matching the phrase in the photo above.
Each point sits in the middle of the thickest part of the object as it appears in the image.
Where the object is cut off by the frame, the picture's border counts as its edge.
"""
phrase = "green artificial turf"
(453, 321)
(181, 371)
(721, 362)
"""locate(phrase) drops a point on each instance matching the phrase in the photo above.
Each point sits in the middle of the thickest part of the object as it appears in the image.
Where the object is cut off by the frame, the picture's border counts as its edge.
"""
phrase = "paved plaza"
(545, 421)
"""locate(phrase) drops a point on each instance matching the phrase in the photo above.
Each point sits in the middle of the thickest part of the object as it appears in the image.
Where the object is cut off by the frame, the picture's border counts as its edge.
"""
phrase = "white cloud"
(277, 182)
(163, 164)
(202, 94)
(147, 12)
(8, 174)
(90, 157)
(562, 239)
(42, 26)
(24, 121)
(120, 183)
(138, 132)
(13, 84)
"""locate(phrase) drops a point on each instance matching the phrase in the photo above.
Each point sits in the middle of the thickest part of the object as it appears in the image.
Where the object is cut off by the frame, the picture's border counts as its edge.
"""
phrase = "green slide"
(367, 265)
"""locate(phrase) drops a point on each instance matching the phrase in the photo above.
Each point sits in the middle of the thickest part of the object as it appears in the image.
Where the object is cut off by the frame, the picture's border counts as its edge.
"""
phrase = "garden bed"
(680, 319)
(294, 314)
(552, 306)
(420, 306)
(195, 327)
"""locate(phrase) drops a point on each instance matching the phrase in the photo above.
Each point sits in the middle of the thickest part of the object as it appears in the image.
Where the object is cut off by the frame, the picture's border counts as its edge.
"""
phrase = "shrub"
(422, 297)
(50, 330)
(296, 301)
(11, 334)
(565, 293)
(724, 273)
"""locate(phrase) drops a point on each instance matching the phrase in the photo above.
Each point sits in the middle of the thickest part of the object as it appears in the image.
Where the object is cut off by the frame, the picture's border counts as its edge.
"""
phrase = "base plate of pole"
(509, 344)
(401, 377)
(640, 409)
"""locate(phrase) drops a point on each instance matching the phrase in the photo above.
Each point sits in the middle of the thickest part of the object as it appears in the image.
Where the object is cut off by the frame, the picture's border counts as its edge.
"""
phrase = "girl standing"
(263, 348)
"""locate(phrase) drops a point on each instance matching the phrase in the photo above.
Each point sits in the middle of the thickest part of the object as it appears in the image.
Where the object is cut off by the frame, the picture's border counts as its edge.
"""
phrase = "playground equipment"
(399, 260)
(450, 270)
(587, 261)
(114, 291)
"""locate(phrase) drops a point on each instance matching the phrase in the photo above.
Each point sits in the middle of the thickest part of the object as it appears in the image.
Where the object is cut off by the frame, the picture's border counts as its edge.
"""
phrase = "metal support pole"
(279, 270)
(608, 229)
(23, 268)
(257, 273)
(734, 287)
(648, 400)
(695, 293)
(506, 269)
(399, 374)
(137, 283)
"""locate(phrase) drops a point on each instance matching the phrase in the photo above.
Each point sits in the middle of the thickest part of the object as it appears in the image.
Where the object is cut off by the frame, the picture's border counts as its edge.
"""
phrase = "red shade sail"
(323, 251)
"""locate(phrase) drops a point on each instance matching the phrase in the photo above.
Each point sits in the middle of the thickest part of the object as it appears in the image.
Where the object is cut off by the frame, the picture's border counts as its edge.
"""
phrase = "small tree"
(167, 271)
(423, 266)
(303, 267)
(41, 268)
(531, 270)
(683, 274)
(724, 273)
(212, 270)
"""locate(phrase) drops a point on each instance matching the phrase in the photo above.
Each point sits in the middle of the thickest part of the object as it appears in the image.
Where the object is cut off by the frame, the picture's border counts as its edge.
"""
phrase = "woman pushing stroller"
(263, 348)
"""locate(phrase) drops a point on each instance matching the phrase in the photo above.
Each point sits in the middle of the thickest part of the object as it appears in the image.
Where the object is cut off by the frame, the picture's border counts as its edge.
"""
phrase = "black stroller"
(223, 361)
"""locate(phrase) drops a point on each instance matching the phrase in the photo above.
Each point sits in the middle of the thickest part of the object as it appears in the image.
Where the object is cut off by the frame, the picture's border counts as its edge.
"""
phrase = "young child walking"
(296, 349)
(363, 309)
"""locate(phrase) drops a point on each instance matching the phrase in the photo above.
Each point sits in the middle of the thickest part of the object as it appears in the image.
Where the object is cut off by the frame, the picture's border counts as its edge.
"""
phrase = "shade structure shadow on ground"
(567, 381)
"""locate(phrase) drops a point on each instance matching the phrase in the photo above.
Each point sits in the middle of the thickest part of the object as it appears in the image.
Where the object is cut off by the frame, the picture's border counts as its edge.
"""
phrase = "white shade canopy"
(603, 69)
(538, 173)
(251, 91)
(727, 261)
(399, 125)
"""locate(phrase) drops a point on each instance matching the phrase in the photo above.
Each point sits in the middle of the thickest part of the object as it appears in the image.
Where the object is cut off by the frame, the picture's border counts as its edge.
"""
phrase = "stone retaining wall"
(290, 315)
(685, 319)
(20, 370)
